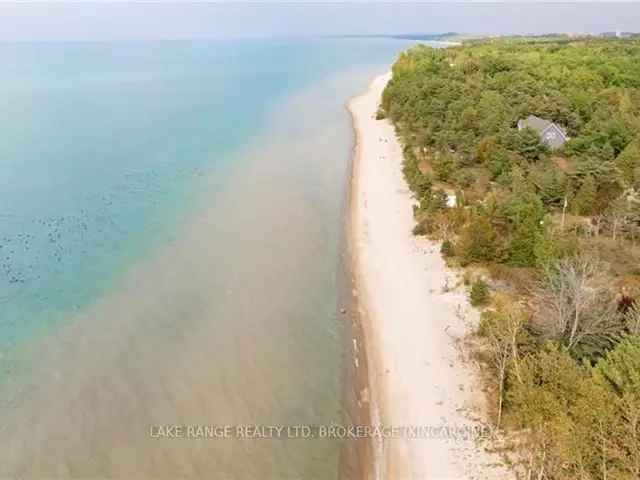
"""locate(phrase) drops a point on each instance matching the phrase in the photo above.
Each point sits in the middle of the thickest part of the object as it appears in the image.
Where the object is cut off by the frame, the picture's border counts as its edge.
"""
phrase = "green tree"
(550, 183)
(545, 251)
(585, 201)
(541, 399)
(621, 367)
(444, 164)
(478, 241)
(479, 294)
(620, 370)
(526, 142)
(628, 162)
(525, 213)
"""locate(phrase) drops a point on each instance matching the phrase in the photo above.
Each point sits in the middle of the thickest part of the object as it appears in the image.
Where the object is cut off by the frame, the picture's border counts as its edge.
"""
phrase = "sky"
(182, 20)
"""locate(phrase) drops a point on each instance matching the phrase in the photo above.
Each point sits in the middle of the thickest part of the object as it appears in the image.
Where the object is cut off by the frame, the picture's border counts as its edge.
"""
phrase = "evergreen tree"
(628, 162)
(478, 241)
(584, 202)
(621, 367)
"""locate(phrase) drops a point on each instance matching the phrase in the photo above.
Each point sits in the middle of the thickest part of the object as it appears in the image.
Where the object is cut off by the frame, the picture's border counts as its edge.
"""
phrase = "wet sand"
(356, 460)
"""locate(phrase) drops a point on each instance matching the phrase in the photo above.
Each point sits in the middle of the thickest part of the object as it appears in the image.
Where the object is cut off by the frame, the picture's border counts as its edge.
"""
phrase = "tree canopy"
(555, 232)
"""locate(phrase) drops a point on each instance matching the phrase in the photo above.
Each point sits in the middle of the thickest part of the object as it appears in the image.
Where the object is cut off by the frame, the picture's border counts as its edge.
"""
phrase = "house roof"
(539, 124)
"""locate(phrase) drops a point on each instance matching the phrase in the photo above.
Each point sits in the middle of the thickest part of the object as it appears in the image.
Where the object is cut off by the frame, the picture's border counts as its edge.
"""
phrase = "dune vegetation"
(549, 236)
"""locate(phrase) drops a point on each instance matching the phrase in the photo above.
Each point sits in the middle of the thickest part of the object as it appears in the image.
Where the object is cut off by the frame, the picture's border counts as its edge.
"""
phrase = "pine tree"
(621, 367)
(585, 200)
(628, 161)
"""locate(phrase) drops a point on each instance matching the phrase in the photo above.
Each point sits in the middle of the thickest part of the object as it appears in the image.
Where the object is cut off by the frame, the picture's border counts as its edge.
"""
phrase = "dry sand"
(417, 375)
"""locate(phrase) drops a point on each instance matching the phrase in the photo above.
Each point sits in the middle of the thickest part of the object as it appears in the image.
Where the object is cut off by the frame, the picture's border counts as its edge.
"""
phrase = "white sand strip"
(417, 376)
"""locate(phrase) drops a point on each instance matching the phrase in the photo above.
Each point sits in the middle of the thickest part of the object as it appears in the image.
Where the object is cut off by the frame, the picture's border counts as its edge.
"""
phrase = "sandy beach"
(417, 374)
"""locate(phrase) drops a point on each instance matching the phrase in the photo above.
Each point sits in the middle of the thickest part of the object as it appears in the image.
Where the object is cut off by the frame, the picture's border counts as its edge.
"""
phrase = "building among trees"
(550, 134)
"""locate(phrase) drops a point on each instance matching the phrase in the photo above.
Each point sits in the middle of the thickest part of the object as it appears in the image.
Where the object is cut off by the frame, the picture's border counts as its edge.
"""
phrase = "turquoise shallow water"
(170, 218)
(100, 142)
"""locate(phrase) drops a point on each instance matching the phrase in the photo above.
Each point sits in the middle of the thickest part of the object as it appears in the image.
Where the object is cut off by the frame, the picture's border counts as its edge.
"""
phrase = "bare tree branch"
(575, 304)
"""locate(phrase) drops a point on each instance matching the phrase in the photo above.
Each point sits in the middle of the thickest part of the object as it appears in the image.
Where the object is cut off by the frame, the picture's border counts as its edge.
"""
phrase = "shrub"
(444, 165)
(433, 201)
(381, 114)
(447, 249)
(463, 178)
(479, 294)
(550, 247)
(420, 229)
(410, 168)
(422, 185)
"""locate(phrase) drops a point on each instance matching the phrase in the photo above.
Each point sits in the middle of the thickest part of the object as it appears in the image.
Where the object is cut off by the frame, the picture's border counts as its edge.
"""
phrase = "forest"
(548, 235)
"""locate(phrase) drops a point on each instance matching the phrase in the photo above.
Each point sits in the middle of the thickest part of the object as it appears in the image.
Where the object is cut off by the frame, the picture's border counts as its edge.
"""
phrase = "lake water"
(170, 224)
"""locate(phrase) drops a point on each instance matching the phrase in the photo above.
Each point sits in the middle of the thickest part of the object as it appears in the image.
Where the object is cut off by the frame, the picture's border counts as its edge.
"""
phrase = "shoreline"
(411, 331)
(357, 456)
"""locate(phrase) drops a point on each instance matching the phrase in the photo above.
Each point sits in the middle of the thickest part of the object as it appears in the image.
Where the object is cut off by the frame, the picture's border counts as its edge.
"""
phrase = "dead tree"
(575, 304)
